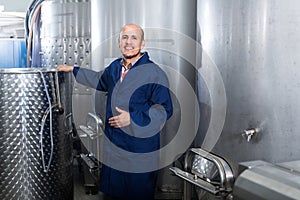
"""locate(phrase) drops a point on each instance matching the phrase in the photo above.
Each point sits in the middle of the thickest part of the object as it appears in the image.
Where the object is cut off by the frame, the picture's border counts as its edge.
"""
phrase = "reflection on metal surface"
(191, 178)
(35, 149)
(204, 168)
(207, 171)
(65, 38)
(267, 181)
(91, 135)
(260, 39)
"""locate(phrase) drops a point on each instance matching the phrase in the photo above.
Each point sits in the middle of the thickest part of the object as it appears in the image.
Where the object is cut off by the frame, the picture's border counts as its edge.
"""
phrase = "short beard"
(132, 56)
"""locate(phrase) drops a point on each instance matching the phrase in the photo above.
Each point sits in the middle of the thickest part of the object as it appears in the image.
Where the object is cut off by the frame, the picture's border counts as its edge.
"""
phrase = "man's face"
(131, 42)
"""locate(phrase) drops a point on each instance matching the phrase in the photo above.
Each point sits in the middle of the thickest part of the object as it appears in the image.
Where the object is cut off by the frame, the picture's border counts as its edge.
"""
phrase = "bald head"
(135, 27)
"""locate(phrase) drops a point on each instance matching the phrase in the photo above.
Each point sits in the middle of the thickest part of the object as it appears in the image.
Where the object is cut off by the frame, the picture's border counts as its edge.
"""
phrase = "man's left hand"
(121, 120)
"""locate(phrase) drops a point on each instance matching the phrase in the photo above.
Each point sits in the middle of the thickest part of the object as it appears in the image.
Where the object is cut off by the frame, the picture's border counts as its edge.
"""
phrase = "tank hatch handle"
(207, 171)
(93, 127)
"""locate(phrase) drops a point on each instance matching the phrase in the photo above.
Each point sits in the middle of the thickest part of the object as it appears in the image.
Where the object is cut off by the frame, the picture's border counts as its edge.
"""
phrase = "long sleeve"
(90, 78)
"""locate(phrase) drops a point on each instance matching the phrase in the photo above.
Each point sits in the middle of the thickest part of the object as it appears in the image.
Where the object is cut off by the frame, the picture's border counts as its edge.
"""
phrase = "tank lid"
(25, 70)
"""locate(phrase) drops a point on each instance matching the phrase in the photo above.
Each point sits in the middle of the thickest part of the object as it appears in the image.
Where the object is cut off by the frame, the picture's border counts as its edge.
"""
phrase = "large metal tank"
(65, 38)
(249, 91)
(170, 33)
(253, 48)
(35, 144)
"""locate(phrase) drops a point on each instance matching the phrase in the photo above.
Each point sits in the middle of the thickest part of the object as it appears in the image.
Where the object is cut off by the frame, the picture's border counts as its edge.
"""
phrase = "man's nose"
(128, 41)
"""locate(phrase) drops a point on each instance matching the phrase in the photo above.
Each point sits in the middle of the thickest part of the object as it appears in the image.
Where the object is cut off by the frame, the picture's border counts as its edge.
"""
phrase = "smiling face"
(131, 42)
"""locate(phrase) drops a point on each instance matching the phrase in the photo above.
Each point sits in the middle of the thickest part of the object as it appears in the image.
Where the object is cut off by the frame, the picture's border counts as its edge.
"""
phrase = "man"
(138, 105)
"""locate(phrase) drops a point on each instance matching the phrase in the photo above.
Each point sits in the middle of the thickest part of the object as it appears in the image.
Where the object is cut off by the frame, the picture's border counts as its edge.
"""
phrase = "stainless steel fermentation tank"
(35, 144)
(65, 38)
(249, 62)
(254, 47)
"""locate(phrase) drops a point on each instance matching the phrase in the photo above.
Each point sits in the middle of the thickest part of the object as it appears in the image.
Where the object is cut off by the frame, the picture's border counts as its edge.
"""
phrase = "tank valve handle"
(249, 133)
(59, 110)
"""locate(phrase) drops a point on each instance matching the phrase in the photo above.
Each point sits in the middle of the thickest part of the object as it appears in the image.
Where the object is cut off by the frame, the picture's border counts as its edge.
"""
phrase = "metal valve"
(249, 133)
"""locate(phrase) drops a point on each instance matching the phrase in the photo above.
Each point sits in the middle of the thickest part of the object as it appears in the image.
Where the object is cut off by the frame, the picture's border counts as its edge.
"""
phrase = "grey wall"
(15, 5)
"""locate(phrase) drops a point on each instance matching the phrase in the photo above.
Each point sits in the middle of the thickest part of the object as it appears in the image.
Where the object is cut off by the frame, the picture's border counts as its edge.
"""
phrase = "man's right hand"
(65, 68)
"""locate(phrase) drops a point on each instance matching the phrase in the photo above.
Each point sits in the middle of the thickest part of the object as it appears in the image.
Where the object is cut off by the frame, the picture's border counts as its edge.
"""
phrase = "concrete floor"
(81, 194)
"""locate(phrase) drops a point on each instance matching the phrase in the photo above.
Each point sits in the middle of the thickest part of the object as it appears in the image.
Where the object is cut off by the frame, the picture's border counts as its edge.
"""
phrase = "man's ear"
(143, 44)
(119, 45)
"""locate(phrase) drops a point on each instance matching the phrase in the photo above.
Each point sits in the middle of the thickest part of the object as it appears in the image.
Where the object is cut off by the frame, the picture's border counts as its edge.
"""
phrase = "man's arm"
(87, 77)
